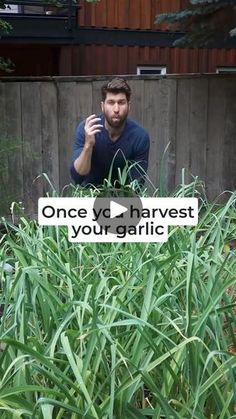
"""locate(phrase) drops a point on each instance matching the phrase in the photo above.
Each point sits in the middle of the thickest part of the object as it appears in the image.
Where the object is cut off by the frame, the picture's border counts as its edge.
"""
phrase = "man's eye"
(118, 103)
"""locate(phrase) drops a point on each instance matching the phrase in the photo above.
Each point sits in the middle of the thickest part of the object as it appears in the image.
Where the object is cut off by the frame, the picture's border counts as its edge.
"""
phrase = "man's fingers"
(97, 126)
(96, 131)
(93, 128)
(93, 123)
(91, 117)
(91, 120)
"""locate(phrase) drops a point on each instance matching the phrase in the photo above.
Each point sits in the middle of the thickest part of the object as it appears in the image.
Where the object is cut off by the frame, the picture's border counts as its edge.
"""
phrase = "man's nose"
(116, 107)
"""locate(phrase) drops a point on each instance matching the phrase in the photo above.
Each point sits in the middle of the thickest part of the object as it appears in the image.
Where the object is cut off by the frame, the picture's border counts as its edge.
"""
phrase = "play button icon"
(116, 211)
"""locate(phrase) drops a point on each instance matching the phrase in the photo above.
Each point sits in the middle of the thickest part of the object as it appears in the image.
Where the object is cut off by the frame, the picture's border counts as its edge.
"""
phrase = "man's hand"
(91, 128)
(82, 164)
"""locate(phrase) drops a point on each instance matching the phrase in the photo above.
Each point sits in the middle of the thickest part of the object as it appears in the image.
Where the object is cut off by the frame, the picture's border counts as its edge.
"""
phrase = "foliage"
(5, 64)
(205, 22)
(119, 330)
(2, 4)
(5, 26)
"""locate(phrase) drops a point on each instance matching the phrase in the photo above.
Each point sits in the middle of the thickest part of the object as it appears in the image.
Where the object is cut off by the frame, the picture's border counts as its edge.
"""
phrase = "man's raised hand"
(92, 127)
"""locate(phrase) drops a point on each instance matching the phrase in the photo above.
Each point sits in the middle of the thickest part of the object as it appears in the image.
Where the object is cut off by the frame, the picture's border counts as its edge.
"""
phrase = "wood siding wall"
(132, 14)
(86, 60)
(194, 115)
(32, 60)
(111, 59)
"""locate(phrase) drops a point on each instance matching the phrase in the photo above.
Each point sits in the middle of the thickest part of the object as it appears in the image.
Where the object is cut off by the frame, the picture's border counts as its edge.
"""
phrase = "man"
(105, 142)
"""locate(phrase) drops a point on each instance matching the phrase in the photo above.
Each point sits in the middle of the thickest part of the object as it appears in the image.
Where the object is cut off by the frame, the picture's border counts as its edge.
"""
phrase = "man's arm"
(140, 160)
(82, 164)
(85, 141)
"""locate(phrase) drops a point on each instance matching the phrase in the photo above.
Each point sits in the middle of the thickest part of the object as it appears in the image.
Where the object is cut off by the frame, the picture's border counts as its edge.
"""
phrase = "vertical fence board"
(96, 96)
(182, 129)
(15, 185)
(150, 123)
(229, 150)
(198, 127)
(83, 100)
(136, 108)
(50, 152)
(166, 147)
(4, 174)
(67, 119)
(215, 141)
(83, 106)
(32, 144)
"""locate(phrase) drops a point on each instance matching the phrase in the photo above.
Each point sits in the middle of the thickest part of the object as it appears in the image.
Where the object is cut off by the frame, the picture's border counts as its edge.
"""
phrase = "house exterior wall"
(110, 59)
(141, 14)
(132, 14)
(31, 60)
(86, 58)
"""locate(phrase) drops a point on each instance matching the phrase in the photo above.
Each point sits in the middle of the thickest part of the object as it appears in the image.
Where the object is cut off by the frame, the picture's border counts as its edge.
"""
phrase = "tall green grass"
(120, 330)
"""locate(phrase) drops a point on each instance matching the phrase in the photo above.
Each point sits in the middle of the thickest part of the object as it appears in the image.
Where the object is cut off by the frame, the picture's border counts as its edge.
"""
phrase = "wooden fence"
(195, 115)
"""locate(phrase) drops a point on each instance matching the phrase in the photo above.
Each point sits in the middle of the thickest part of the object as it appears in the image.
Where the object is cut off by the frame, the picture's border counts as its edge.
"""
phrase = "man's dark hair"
(115, 86)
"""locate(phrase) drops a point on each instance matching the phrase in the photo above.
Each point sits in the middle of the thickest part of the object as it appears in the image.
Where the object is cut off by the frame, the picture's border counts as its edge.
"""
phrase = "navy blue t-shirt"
(132, 146)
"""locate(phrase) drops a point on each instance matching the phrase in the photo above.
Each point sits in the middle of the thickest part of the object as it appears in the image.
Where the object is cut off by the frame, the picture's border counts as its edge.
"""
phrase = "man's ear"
(102, 106)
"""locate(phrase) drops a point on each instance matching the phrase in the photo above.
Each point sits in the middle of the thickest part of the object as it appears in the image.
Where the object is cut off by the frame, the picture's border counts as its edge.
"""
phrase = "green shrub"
(120, 330)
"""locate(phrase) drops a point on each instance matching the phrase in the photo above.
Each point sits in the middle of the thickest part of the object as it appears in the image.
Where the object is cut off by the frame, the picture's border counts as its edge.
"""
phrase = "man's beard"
(116, 123)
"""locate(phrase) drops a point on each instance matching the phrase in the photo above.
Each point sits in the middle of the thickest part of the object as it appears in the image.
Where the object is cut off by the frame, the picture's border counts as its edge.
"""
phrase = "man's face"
(116, 109)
